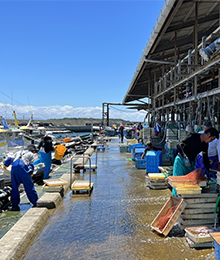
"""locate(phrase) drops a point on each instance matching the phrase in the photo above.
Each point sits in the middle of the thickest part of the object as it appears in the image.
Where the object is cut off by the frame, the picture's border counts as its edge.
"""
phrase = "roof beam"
(192, 75)
(159, 61)
(174, 11)
(191, 23)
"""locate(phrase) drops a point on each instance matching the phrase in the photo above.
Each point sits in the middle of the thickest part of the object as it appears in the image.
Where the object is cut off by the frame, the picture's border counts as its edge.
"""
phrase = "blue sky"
(65, 58)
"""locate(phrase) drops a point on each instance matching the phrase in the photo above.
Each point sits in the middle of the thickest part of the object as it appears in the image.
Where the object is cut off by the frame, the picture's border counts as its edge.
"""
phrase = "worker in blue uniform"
(21, 171)
(45, 148)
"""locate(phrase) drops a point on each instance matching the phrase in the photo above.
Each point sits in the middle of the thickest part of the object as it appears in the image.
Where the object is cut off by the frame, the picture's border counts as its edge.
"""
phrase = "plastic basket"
(137, 152)
(59, 151)
(172, 201)
(138, 156)
(140, 163)
(217, 250)
(131, 147)
(153, 160)
(66, 140)
(139, 149)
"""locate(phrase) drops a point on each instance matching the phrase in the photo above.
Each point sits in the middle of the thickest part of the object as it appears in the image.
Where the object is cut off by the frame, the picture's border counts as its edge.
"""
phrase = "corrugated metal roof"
(176, 18)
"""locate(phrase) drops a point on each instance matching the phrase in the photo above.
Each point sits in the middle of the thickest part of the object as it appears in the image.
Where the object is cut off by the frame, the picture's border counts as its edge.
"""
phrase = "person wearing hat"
(21, 171)
(213, 153)
(45, 148)
(189, 148)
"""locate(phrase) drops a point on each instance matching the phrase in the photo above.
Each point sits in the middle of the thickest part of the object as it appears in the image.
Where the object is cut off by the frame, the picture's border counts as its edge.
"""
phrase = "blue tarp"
(16, 142)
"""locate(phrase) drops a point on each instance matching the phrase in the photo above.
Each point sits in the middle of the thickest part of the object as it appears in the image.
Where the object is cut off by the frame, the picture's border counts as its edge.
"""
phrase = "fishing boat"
(10, 138)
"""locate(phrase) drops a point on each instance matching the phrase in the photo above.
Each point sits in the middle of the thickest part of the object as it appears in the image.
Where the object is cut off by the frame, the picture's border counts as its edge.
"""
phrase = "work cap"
(207, 124)
(31, 148)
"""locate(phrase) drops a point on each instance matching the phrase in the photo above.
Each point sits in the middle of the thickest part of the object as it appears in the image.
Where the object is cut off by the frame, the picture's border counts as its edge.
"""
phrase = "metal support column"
(196, 46)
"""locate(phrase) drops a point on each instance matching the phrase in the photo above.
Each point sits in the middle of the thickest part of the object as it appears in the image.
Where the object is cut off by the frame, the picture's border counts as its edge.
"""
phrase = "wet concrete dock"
(113, 223)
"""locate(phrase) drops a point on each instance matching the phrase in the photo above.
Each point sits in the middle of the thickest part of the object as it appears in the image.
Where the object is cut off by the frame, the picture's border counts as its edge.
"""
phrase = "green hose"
(210, 183)
(216, 205)
(168, 153)
(215, 214)
(171, 128)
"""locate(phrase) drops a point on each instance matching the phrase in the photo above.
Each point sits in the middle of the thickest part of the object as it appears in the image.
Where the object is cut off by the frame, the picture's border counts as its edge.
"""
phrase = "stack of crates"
(139, 163)
(172, 143)
(147, 131)
(153, 160)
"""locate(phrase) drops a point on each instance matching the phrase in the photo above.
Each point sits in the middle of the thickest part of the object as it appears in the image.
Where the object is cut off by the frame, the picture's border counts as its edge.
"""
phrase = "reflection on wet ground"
(114, 222)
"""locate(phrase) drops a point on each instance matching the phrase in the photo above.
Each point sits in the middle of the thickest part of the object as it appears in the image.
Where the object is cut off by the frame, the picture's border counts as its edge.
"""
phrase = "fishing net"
(193, 178)
(163, 220)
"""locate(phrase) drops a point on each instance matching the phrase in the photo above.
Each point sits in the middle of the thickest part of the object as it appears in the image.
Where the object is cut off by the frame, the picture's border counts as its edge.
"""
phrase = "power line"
(21, 104)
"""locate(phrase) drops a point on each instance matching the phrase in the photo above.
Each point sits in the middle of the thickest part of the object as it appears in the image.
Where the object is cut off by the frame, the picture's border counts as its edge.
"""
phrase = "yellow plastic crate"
(189, 190)
(131, 141)
(156, 176)
(81, 185)
(54, 182)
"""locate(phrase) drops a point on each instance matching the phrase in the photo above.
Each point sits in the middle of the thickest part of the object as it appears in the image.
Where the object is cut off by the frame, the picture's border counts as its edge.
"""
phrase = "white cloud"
(49, 112)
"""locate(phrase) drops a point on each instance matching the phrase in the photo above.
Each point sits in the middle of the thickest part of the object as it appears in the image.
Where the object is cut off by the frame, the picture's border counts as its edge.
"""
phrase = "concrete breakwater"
(67, 122)
(16, 242)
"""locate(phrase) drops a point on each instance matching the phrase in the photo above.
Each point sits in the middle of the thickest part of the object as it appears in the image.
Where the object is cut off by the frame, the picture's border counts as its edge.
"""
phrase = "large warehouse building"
(180, 66)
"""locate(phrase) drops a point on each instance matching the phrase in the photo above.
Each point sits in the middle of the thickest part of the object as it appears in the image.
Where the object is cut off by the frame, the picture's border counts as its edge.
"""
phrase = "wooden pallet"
(199, 210)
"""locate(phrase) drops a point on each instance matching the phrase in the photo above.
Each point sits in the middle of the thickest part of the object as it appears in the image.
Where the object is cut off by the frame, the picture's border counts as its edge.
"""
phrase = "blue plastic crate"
(153, 160)
(131, 147)
(217, 250)
(137, 152)
(140, 163)
(139, 149)
(137, 156)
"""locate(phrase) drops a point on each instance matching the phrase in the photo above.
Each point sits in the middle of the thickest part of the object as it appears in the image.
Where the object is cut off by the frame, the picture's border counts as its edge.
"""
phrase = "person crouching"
(21, 171)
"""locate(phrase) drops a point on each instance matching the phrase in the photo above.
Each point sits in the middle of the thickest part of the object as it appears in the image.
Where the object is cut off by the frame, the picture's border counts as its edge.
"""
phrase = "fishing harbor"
(115, 214)
(113, 222)
(128, 190)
